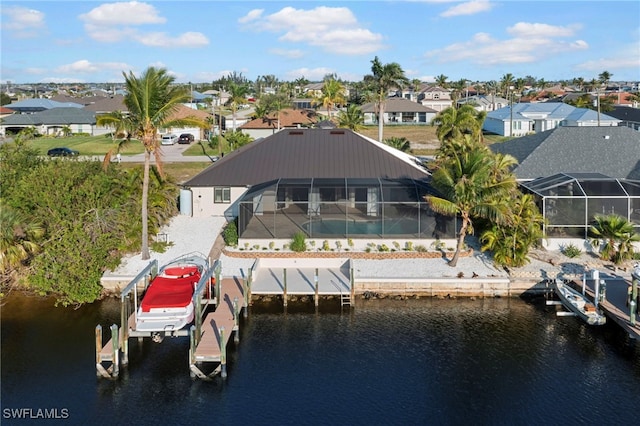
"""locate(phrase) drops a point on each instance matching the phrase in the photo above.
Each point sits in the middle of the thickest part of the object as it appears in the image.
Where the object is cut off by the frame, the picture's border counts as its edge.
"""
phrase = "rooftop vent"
(336, 132)
(606, 137)
(296, 132)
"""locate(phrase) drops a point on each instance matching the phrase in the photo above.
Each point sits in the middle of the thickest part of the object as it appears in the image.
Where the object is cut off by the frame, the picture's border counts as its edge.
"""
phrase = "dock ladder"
(345, 299)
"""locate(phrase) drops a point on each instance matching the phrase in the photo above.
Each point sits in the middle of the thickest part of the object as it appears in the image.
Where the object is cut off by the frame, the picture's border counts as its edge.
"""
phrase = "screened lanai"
(569, 202)
(341, 208)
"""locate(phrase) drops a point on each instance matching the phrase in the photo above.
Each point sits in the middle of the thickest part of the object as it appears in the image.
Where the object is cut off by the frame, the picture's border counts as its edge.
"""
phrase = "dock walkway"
(615, 304)
(217, 328)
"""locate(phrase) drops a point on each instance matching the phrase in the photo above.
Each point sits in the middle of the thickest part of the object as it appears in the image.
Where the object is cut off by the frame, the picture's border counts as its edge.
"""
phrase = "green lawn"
(86, 145)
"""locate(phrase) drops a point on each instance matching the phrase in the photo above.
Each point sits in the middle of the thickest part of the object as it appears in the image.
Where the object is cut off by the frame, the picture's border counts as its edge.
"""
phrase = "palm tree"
(383, 78)
(506, 82)
(604, 77)
(331, 96)
(441, 81)
(510, 243)
(18, 239)
(151, 100)
(454, 122)
(465, 180)
(614, 236)
(401, 144)
(238, 96)
(351, 118)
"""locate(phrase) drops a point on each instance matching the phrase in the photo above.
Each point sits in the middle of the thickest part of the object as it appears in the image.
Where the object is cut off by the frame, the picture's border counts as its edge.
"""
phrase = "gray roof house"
(51, 121)
(399, 111)
(327, 183)
(529, 118)
(37, 105)
(577, 172)
(611, 151)
(484, 102)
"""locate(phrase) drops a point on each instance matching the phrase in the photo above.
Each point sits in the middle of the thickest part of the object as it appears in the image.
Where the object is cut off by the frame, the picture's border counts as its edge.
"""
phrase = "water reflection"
(427, 361)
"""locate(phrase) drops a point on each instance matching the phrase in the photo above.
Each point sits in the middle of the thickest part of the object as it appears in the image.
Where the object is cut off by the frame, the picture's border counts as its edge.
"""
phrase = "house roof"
(62, 116)
(183, 111)
(288, 118)
(483, 100)
(34, 105)
(611, 151)
(541, 110)
(398, 105)
(108, 104)
(4, 110)
(309, 153)
(625, 113)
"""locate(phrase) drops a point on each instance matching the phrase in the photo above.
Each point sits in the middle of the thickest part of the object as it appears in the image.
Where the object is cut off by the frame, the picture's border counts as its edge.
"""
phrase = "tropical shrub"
(614, 236)
(571, 250)
(230, 233)
(298, 242)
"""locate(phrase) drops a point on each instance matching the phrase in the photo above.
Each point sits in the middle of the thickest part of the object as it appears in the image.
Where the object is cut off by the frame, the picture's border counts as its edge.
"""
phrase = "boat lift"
(115, 353)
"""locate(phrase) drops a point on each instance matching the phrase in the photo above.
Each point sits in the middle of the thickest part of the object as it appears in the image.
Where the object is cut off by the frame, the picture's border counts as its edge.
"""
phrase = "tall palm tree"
(351, 118)
(441, 81)
(333, 94)
(382, 78)
(506, 82)
(18, 239)
(605, 77)
(238, 96)
(151, 100)
(453, 122)
(467, 189)
(614, 236)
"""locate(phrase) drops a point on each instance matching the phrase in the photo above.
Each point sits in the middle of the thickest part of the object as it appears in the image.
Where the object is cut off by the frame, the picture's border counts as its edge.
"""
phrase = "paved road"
(170, 154)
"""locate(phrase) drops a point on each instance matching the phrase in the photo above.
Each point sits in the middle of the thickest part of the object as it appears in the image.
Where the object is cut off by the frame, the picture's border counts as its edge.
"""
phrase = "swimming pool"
(340, 227)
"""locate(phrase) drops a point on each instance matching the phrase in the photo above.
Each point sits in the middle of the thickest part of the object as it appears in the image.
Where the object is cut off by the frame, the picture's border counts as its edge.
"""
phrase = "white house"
(529, 118)
(399, 111)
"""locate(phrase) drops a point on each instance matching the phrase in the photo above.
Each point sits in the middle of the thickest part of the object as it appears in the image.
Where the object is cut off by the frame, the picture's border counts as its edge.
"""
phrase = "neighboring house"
(611, 151)
(398, 111)
(436, 98)
(577, 172)
(29, 106)
(52, 121)
(184, 111)
(219, 97)
(289, 119)
(313, 90)
(630, 117)
(529, 118)
(107, 104)
(303, 103)
(327, 183)
(484, 102)
(5, 112)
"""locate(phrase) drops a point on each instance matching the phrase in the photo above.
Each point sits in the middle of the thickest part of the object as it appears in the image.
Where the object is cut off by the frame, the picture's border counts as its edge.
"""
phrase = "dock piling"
(115, 350)
(236, 311)
(223, 354)
(284, 292)
(316, 297)
(98, 348)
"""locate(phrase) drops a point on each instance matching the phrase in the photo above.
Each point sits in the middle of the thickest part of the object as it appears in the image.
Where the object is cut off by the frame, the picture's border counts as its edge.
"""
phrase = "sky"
(202, 41)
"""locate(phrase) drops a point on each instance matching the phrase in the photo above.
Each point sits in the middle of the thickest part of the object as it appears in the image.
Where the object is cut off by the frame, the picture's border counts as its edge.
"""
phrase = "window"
(222, 195)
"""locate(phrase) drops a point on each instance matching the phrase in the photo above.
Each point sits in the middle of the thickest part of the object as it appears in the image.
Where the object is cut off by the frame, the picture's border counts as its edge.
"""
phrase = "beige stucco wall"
(203, 205)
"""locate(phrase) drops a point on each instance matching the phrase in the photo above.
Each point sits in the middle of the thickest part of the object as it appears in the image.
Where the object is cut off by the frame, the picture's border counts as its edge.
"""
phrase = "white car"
(169, 139)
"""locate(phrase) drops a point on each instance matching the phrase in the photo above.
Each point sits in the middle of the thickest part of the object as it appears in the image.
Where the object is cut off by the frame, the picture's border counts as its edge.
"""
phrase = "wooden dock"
(209, 344)
(615, 303)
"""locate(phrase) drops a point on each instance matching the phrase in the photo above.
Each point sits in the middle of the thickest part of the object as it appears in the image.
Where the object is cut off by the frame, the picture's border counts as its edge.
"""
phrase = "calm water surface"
(441, 362)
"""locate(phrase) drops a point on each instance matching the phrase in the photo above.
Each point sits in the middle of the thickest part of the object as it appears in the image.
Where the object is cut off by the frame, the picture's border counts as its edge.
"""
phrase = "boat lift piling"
(115, 353)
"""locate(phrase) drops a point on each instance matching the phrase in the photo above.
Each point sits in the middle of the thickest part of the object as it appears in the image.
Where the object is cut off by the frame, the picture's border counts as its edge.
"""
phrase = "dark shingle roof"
(63, 116)
(309, 153)
(612, 151)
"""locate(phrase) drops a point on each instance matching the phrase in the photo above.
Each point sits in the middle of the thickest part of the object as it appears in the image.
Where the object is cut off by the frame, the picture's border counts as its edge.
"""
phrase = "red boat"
(167, 305)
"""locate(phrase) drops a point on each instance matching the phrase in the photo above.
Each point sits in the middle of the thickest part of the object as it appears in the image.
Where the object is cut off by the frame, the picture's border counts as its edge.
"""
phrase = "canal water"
(386, 362)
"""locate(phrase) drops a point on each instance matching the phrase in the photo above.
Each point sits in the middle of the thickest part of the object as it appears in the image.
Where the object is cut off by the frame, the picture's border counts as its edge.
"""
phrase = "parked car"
(62, 152)
(186, 138)
(169, 139)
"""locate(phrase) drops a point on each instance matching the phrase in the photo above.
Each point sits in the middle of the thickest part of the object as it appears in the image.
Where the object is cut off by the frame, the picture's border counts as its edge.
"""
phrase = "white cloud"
(526, 29)
(120, 14)
(624, 58)
(114, 22)
(21, 22)
(190, 39)
(533, 42)
(84, 66)
(468, 8)
(333, 29)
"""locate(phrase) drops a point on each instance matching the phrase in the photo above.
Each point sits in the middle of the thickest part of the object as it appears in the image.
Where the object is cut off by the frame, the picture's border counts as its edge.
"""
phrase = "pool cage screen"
(569, 202)
(341, 208)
